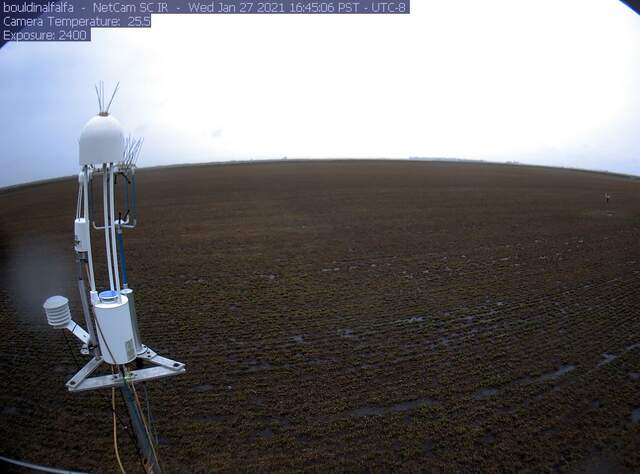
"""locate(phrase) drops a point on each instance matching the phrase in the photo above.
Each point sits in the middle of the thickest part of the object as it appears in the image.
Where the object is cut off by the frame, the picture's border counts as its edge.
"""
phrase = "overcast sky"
(549, 82)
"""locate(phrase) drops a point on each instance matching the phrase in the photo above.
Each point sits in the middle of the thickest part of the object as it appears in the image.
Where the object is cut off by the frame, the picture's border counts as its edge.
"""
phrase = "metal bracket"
(156, 359)
(77, 380)
(116, 380)
(164, 368)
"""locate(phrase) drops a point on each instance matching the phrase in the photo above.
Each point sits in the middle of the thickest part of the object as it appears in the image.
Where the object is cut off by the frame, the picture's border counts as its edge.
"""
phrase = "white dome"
(101, 141)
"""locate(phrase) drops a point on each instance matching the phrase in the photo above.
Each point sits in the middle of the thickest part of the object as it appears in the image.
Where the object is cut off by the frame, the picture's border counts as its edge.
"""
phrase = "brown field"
(346, 316)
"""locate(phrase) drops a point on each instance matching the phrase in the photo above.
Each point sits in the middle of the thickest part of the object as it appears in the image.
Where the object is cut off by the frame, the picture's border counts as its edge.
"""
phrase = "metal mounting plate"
(164, 368)
(141, 375)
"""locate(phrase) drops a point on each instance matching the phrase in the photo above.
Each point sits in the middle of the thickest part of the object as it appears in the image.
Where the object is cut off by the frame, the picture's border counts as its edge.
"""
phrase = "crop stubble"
(347, 315)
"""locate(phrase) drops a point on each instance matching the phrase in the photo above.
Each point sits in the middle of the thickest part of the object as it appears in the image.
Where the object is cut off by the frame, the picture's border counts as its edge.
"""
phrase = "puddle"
(487, 439)
(195, 281)
(304, 439)
(635, 415)
(596, 463)
(410, 405)
(266, 433)
(203, 388)
(428, 446)
(634, 375)
(413, 319)
(210, 418)
(564, 369)
(255, 366)
(256, 400)
(279, 420)
(298, 339)
(348, 333)
(485, 393)
(608, 358)
(366, 411)
(601, 213)
(377, 410)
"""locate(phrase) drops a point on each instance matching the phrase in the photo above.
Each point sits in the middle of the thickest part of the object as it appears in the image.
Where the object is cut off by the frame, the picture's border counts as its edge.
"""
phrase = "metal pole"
(82, 288)
(143, 441)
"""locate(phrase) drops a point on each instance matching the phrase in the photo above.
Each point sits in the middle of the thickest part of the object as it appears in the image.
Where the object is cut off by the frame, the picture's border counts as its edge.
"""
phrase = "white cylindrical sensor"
(115, 333)
(128, 292)
(57, 310)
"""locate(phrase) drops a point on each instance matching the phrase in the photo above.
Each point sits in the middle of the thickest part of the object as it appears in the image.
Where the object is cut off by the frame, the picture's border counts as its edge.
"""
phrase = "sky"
(551, 82)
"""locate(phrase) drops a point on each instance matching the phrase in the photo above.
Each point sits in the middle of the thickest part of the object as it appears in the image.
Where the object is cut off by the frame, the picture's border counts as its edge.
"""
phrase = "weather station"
(112, 336)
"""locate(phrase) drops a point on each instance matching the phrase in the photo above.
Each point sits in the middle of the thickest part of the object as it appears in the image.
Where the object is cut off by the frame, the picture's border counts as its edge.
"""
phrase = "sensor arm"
(77, 331)
(86, 182)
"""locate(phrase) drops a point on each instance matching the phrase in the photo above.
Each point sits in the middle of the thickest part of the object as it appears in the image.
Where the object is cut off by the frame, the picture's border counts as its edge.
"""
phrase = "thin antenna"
(136, 151)
(104, 111)
(132, 147)
(112, 96)
(99, 102)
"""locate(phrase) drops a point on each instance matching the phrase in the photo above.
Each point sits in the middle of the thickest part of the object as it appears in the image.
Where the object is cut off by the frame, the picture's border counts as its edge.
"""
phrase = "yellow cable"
(115, 433)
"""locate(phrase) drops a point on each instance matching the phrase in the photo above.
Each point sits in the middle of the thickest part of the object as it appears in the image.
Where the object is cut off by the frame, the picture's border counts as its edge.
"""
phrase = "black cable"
(147, 402)
(140, 412)
(70, 349)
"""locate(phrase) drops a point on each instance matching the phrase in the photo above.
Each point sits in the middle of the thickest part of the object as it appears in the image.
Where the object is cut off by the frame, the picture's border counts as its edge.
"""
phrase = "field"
(346, 316)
